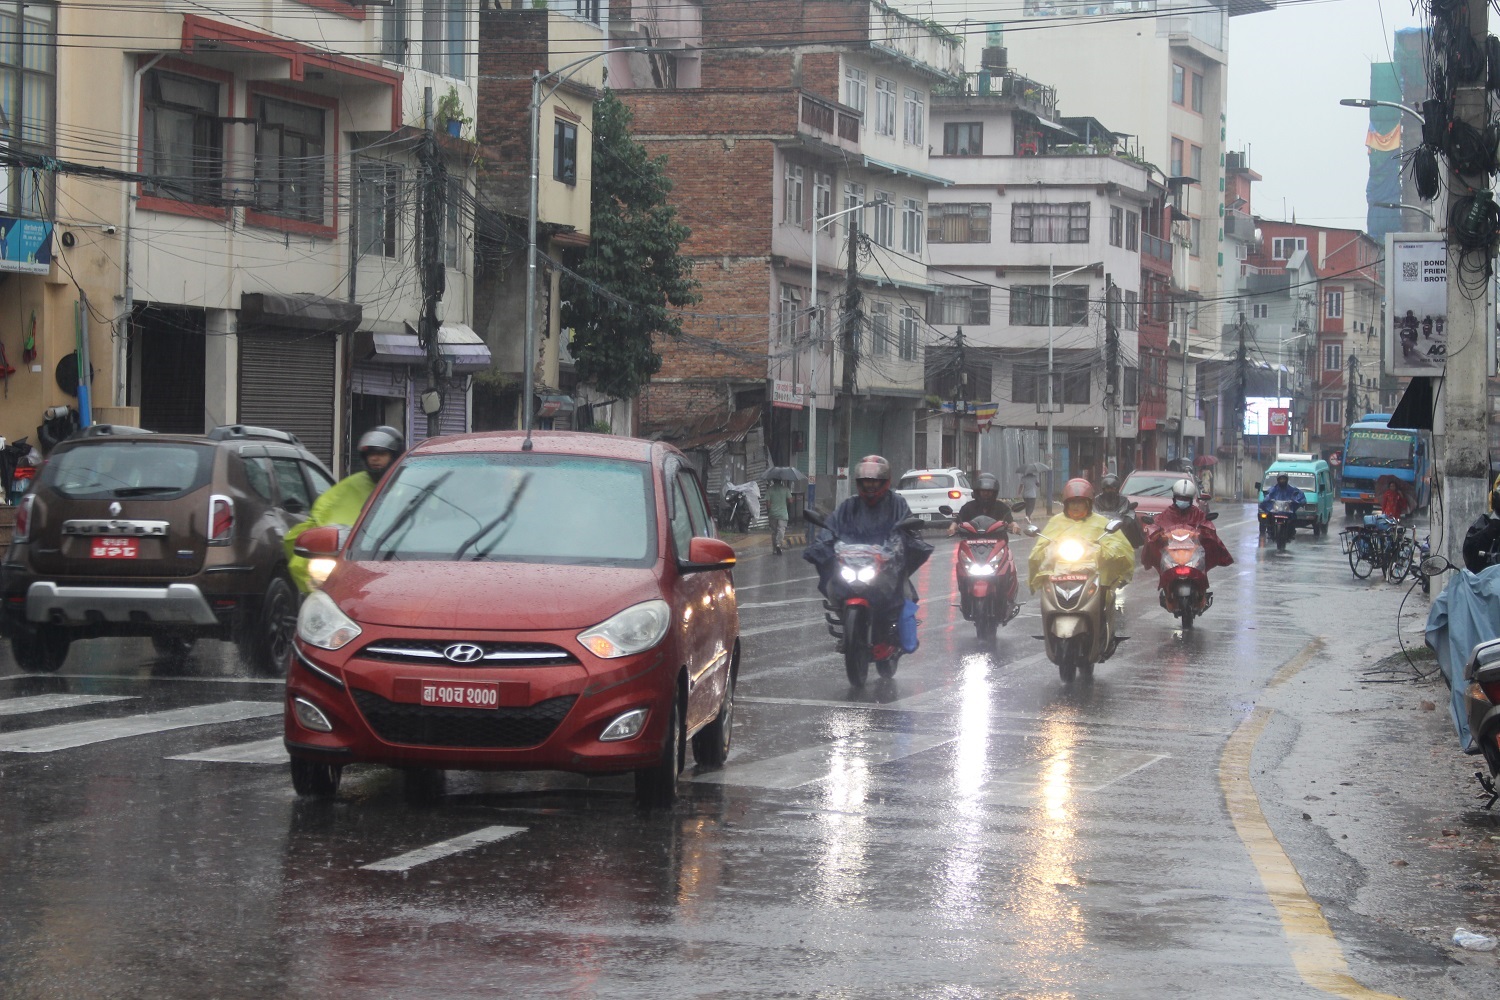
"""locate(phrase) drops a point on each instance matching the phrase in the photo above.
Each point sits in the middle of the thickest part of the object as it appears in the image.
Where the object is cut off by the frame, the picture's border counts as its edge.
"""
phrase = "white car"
(926, 490)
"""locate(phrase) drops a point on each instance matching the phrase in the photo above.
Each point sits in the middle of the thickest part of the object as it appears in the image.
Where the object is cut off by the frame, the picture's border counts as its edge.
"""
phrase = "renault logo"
(115, 508)
(463, 652)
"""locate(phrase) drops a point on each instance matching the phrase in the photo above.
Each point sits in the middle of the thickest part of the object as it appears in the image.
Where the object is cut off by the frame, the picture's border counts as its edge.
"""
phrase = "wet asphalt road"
(1245, 810)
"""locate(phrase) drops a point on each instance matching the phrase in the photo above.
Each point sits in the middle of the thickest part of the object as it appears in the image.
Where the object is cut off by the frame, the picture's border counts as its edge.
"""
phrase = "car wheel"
(711, 743)
(173, 648)
(314, 779)
(424, 785)
(40, 649)
(657, 785)
(266, 644)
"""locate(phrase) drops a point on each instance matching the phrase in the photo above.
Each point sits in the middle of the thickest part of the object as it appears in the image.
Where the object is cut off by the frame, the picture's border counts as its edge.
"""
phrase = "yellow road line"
(1315, 951)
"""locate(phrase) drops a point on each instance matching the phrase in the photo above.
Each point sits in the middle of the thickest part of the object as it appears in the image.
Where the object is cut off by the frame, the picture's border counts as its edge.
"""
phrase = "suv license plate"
(459, 694)
(114, 548)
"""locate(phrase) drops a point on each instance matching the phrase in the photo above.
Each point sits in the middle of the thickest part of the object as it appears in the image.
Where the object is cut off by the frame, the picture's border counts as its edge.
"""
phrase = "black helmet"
(986, 483)
(1109, 483)
(385, 438)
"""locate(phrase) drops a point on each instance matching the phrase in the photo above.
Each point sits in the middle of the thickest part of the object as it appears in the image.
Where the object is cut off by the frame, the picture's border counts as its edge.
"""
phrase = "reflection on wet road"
(973, 827)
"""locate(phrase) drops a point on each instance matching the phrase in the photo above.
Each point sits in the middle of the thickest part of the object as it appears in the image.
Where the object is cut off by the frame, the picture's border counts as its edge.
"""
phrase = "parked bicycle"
(1381, 543)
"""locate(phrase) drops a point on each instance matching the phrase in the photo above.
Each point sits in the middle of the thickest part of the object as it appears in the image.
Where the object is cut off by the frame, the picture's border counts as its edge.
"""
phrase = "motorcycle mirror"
(1151, 518)
(945, 510)
(910, 523)
(1114, 525)
(1212, 517)
(813, 517)
(1032, 530)
(1433, 565)
(1257, 485)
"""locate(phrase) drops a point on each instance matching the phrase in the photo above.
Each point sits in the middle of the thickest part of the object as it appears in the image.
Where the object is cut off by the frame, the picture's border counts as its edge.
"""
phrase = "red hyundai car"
(562, 606)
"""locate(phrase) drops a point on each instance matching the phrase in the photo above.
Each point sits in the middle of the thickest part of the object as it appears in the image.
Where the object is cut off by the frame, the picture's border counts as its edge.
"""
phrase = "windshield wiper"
(140, 491)
(494, 523)
(406, 515)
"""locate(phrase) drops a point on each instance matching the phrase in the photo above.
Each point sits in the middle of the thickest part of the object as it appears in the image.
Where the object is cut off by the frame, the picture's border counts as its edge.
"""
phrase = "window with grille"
(908, 343)
(1028, 305)
(856, 89)
(967, 305)
(565, 151)
(959, 223)
(1333, 411)
(1041, 222)
(791, 206)
(822, 196)
(1333, 357)
(914, 121)
(1333, 305)
(790, 315)
(880, 329)
(885, 107)
(1132, 231)
(182, 143)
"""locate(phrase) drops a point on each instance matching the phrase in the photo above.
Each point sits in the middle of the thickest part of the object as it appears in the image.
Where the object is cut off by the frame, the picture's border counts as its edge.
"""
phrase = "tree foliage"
(633, 276)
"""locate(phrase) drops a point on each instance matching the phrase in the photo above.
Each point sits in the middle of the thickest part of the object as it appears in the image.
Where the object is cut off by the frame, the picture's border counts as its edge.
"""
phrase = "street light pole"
(1365, 102)
(1052, 280)
(812, 370)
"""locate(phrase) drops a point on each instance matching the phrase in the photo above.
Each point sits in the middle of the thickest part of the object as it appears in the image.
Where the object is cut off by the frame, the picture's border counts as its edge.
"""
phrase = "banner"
(25, 245)
(1386, 143)
(1416, 282)
(1279, 421)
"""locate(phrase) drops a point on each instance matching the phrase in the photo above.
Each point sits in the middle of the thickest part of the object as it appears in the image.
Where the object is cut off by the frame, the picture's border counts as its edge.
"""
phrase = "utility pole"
(841, 457)
(1111, 375)
(961, 394)
(1182, 407)
(1241, 365)
(433, 185)
(1351, 399)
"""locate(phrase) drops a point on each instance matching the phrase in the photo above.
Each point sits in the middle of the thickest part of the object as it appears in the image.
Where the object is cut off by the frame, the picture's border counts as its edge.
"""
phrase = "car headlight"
(634, 630)
(322, 624)
(1070, 549)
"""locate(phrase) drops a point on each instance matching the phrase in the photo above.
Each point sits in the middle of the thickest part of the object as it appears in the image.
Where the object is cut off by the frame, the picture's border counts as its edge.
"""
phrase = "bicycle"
(1380, 543)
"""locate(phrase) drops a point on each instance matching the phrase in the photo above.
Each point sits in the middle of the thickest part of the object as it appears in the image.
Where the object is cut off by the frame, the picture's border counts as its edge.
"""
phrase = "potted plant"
(450, 113)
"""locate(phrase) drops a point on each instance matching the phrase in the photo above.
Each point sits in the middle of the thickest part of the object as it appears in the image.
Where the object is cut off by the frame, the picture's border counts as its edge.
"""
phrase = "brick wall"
(512, 43)
(800, 21)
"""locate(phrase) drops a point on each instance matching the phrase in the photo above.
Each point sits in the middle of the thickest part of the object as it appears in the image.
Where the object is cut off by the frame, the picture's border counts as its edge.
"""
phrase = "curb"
(758, 540)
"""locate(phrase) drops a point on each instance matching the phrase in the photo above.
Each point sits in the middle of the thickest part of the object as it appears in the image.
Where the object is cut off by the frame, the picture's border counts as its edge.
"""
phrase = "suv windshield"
(158, 469)
(933, 481)
(513, 508)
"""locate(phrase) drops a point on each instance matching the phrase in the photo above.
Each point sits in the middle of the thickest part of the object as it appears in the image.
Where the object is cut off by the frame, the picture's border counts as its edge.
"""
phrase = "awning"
(897, 169)
(457, 342)
(299, 311)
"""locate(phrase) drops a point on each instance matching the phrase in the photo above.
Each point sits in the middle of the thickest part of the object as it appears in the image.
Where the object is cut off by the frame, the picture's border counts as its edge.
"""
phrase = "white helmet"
(1184, 492)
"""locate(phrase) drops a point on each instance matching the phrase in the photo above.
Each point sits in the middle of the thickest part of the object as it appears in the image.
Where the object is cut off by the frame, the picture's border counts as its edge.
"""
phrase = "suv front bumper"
(174, 604)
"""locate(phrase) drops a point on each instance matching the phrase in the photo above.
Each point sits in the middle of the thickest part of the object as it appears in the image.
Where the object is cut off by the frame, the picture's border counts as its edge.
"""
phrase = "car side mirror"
(945, 510)
(322, 541)
(1212, 517)
(706, 554)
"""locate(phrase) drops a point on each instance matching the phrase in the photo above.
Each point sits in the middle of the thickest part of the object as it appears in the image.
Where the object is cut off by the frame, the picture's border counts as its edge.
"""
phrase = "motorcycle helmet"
(873, 478)
(1078, 499)
(1184, 492)
(1109, 483)
(986, 488)
(381, 439)
(1281, 479)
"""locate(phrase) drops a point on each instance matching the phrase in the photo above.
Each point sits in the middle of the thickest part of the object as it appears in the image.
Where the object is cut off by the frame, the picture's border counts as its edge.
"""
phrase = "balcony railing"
(1155, 246)
(830, 119)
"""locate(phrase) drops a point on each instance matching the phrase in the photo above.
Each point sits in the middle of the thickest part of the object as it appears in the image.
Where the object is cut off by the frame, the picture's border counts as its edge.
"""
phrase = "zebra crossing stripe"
(272, 751)
(443, 849)
(27, 704)
(48, 739)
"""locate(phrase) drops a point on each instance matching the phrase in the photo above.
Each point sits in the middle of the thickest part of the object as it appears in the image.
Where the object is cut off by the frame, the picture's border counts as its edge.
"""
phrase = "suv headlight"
(634, 630)
(322, 624)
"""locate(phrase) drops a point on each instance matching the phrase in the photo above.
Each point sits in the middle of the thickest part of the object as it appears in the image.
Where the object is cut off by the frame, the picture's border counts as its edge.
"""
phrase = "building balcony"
(1155, 246)
(829, 122)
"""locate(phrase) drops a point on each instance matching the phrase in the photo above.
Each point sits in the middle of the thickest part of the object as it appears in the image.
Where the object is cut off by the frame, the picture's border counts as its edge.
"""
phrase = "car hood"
(1150, 505)
(487, 596)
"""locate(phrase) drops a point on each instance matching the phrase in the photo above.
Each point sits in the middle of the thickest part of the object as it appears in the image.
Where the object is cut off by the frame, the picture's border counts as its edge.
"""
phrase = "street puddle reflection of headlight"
(845, 829)
(1052, 919)
(963, 865)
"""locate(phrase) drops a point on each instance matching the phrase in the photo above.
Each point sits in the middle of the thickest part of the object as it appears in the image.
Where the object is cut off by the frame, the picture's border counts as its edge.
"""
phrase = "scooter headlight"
(1070, 549)
(981, 569)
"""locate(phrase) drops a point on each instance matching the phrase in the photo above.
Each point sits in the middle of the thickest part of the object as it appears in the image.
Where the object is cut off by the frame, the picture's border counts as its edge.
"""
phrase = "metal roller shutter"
(288, 381)
(368, 379)
(453, 418)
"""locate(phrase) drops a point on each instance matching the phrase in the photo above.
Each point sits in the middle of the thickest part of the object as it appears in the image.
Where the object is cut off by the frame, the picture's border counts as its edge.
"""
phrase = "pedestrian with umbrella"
(779, 482)
(1029, 486)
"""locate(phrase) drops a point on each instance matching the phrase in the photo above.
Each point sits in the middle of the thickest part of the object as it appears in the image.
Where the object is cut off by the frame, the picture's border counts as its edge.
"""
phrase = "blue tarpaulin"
(1465, 614)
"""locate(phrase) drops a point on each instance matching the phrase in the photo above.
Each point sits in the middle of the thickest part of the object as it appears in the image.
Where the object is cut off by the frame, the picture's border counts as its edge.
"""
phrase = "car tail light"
(955, 494)
(220, 520)
(22, 530)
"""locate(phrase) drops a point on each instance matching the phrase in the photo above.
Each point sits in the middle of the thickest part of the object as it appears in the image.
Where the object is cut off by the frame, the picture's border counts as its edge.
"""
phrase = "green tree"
(633, 276)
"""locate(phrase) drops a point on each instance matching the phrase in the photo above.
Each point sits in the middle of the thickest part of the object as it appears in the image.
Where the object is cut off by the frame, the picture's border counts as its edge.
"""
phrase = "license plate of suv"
(114, 548)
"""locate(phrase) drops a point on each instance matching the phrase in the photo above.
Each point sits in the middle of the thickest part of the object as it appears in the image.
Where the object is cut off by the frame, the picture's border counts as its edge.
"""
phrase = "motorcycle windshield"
(1183, 549)
(1281, 506)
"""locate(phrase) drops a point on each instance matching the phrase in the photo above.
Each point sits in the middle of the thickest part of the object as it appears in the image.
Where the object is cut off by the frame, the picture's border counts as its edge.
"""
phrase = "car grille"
(434, 726)
(494, 654)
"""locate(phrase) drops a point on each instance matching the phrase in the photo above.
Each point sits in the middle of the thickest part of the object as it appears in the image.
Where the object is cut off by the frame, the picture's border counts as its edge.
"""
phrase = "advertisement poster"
(1279, 421)
(1258, 410)
(1416, 281)
(25, 245)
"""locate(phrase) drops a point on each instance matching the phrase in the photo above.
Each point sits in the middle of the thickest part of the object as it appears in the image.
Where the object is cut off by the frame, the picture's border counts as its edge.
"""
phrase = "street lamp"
(537, 99)
(1366, 102)
(812, 374)
(1052, 280)
(1431, 219)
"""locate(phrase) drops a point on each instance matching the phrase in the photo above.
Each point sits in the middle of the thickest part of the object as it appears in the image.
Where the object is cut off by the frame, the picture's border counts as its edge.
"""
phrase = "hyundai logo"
(463, 652)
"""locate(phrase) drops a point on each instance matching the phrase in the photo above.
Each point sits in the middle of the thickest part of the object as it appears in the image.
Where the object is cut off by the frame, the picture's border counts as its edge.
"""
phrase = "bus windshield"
(1379, 449)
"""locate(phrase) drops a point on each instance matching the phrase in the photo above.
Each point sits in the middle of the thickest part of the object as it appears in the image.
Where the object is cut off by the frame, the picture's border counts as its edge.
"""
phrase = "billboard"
(1258, 411)
(25, 245)
(1416, 320)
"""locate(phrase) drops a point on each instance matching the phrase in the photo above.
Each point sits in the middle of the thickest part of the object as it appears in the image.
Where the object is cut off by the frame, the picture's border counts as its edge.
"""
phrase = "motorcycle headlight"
(981, 569)
(634, 630)
(1070, 549)
(320, 623)
(848, 573)
(865, 574)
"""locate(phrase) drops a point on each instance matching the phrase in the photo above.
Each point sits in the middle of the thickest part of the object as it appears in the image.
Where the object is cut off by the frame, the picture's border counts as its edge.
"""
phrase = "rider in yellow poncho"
(345, 500)
(1078, 520)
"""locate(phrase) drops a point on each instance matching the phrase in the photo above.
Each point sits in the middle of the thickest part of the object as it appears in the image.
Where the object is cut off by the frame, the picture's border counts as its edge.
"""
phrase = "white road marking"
(776, 583)
(443, 849)
(891, 706)
(47, 702)
(272, 751)
(803, 767)
(77, 734)
(781, 604)
(1085, 768)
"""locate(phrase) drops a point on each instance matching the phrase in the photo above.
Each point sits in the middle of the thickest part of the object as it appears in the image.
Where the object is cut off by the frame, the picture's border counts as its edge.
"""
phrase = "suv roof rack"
(228, 432)
(109, 430)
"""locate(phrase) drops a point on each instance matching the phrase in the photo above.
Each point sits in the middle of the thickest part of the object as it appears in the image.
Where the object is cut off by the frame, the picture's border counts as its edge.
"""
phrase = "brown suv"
(172, 536)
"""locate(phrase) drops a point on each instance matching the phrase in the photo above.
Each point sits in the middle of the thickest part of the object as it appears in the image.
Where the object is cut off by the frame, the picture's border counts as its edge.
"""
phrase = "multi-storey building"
(240, 248)
(1035, 248)
(778, 153)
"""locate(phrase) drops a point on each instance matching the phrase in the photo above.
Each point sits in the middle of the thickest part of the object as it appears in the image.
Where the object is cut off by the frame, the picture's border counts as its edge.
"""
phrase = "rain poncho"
(1465, 614)
(1116, 556)
(342, 504)
(858, 522)
(1193, 517)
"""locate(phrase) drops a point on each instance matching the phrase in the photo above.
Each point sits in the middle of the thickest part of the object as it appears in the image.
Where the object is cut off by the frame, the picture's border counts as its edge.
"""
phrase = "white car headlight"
(634, 630)
(322, 624)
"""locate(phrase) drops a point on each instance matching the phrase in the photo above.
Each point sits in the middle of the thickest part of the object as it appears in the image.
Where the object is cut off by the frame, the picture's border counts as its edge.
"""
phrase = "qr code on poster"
(1411, 270)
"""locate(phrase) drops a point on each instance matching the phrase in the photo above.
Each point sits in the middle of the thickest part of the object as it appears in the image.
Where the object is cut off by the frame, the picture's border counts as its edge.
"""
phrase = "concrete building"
(244, 239)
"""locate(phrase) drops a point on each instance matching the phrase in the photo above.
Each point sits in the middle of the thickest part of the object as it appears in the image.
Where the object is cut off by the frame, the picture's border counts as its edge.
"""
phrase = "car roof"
(1298, 465)
(543, 443)
(1160, 474)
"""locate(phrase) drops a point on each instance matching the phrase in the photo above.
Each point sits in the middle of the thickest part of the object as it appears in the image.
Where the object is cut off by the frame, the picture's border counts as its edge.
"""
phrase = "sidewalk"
(758, 541)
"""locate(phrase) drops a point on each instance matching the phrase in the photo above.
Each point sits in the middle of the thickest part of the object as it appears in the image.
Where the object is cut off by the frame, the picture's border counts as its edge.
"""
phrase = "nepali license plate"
(114, 548)
(459, 694)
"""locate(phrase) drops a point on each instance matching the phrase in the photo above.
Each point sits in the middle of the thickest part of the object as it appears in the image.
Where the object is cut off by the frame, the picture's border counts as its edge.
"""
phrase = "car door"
(702, 598)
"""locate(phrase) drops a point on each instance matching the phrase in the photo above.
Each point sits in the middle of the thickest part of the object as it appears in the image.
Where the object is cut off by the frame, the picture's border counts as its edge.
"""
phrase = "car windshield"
(1379, 449)
(513, 508)
(1148, 486)
(926, 481)
(157, 469)
(1304, 481)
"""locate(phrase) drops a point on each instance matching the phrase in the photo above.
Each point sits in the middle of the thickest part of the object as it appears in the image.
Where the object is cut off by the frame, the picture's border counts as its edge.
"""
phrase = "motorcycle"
(734, 511)
(1280, 524)
(1078, 613)
(987, 580)
(1182, 581)
(862, 587)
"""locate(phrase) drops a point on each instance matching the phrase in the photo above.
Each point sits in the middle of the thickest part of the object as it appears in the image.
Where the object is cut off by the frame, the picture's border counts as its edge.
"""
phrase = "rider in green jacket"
(345, 500)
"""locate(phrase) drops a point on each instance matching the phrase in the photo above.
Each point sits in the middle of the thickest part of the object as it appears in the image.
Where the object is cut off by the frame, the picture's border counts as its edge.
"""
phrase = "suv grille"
(493, 654)
(425, 725)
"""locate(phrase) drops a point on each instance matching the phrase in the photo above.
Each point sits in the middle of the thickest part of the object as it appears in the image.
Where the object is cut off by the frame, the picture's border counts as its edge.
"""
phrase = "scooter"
(987, 580)
(1078, 613)
(1182, 581)
(864, 584)
(1277, 516)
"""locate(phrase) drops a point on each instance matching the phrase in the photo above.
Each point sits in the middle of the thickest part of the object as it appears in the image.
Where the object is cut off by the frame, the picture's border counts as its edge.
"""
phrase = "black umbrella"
(785, 474)
(1037, 467)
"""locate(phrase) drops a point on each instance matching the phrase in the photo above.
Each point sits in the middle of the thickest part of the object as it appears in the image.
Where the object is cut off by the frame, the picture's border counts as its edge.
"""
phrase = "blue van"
(1314, 478)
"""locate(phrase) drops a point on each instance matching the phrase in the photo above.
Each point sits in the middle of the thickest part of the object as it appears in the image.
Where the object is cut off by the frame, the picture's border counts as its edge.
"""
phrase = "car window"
(321, 483)
(158, 469)
(926, 481)
(258, 472)
(963, 481)
(293, 487)
(682, 524)
(513, 507)
(697, 509)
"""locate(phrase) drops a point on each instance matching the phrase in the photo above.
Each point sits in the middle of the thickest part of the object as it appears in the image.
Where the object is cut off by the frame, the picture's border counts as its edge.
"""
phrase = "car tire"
(315, 779)
(40, 649)
(173, 648)
(656, 786)
(266, 641)
(711, 743)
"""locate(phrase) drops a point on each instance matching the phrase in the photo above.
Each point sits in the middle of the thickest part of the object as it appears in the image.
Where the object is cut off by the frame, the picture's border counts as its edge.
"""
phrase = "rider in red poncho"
(1184, 513)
